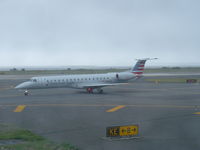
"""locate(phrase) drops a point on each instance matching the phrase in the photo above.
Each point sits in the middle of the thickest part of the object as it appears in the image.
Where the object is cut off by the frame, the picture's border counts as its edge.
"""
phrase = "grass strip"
(28, 140)
(174, 80)
(97, 71)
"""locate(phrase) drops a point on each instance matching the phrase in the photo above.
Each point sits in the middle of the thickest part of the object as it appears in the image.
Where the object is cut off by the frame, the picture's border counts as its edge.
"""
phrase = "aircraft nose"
(24, 85)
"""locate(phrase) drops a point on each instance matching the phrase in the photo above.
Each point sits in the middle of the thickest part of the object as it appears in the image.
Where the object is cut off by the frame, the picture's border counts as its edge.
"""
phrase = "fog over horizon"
(49, 33)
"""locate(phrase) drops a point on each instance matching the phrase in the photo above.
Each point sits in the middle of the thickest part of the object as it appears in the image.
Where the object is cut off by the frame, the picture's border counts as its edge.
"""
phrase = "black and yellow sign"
(122, 131)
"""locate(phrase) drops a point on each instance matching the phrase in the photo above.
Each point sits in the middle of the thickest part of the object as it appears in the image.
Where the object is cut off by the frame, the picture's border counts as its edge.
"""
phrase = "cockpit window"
(33, 80)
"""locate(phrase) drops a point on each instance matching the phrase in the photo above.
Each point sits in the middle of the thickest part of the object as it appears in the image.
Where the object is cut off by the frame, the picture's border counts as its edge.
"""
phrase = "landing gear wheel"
(100, 91)
(90, 90)
(26, 93)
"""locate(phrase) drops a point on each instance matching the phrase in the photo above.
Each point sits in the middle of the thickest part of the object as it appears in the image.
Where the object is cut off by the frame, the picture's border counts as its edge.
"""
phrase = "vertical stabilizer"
(138, 69)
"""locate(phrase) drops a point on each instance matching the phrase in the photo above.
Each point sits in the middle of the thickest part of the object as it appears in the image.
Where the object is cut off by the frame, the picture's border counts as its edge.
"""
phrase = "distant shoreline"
(21, 71)
(31, 68)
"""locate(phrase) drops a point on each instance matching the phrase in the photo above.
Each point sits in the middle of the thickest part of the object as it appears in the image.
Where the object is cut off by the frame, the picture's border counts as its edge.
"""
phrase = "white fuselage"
(76, 81)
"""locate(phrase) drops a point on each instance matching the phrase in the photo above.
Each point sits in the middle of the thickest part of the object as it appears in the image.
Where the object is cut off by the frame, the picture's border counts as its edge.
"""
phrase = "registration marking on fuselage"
(115, 108)
(19, 108)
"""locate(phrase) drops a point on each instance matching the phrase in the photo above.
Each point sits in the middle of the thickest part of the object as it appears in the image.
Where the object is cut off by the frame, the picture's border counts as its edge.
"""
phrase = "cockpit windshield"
(33, 80)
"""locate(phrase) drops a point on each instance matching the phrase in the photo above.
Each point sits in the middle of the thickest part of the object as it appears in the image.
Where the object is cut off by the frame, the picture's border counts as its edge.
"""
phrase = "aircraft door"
(117, 76)
(46, 82)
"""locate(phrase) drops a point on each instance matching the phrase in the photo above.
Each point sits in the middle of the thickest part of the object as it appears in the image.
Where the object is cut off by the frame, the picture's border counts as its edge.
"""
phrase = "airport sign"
(122, 131)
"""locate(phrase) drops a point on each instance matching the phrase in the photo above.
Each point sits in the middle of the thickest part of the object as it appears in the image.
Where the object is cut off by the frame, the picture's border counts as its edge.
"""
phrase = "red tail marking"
(141, 66)
(138, 72)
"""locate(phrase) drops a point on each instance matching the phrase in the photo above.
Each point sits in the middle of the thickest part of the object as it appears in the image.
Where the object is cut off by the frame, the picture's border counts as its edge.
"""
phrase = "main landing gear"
(26, 93)
(90, 90)
(100, 91)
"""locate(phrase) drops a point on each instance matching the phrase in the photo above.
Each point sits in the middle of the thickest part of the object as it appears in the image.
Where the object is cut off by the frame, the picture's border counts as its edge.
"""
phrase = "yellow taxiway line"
(197, 113)
(115, 108)
(19, 108)
(105, 105)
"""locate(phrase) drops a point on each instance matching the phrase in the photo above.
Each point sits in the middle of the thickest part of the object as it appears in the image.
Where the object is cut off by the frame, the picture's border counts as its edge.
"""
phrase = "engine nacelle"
(124, 76)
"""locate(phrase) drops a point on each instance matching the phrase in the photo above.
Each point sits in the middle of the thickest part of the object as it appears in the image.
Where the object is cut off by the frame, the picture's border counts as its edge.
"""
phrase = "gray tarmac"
(164, 113)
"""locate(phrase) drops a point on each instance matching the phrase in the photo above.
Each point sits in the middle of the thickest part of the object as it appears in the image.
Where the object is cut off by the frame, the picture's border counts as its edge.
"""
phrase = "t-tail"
(138, 69)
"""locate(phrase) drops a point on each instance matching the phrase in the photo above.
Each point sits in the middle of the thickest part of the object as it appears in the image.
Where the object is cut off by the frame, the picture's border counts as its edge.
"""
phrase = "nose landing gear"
(26, 93)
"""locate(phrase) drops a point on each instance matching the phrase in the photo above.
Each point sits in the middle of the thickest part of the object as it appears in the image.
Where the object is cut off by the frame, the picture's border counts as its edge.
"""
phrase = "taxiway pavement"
(168, 114)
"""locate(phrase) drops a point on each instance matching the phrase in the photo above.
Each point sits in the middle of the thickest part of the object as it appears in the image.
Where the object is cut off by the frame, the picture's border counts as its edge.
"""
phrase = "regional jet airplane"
(90, 82)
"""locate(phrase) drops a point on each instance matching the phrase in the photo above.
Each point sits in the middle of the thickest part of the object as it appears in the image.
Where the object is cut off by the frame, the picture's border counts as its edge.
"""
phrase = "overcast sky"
(99, 32)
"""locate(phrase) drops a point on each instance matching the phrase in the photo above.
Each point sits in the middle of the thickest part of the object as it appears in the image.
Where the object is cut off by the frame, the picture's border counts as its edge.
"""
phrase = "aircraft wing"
(98, 85)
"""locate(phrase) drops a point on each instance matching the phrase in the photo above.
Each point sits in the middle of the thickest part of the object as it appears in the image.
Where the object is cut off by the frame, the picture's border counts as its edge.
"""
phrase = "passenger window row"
(77, 79)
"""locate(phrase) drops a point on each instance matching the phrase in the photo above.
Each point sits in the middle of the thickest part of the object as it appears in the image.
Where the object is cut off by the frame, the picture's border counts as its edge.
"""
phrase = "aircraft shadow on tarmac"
(117, 92)
(114, 92)
(67, 92)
